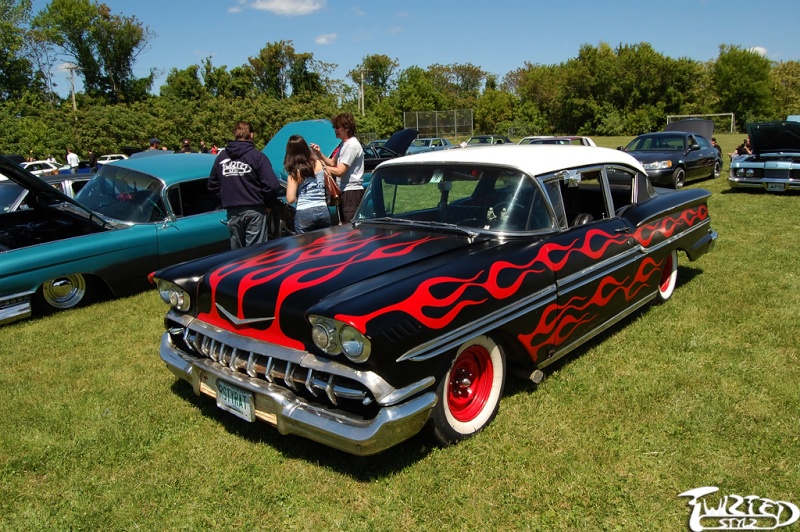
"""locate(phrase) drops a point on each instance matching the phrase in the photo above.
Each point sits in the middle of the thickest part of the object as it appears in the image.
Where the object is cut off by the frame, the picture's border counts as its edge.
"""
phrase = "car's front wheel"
(717, 170)
(65, 292)
(678, 178)
(669, 277)
(469, 393)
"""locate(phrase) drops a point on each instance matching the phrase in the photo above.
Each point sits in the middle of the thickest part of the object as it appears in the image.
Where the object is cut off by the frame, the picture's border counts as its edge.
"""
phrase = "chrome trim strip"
(14, 307)
(456, 337)
(561, 352)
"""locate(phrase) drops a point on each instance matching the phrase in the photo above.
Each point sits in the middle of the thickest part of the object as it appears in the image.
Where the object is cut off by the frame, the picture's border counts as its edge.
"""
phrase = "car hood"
(401, 140)
(699, 126)
(265, 292)
(774, 137)
(45, 194)
(319, 132)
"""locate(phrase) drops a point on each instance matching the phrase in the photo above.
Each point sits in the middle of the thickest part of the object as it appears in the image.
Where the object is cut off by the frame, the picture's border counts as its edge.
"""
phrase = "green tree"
(16, 71)
(785, 81)
(742, 83)
(378, 73)
(104, 46)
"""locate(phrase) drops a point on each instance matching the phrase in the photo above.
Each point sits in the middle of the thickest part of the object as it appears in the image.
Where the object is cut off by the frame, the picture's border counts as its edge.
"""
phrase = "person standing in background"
(347, 166)
(243, 178)
(73, 161)
(92, 161)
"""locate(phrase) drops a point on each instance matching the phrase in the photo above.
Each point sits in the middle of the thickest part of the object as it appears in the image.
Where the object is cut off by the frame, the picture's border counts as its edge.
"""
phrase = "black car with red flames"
(461, 267)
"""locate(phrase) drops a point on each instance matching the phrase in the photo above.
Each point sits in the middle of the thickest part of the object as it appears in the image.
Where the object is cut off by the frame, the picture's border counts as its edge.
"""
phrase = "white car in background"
(103, 159)
(563, 139)
(42, 168)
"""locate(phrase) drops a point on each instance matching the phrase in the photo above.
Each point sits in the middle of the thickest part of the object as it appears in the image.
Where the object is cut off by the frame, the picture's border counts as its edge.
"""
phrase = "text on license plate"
(776, 187)
(235, 400)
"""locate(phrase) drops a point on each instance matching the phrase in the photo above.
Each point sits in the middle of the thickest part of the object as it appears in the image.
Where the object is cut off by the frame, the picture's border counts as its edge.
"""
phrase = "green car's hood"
(314, 131)
(44, 194)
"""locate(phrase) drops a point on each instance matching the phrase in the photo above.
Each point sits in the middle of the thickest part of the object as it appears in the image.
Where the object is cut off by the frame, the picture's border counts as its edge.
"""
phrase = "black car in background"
(682, 152)
(396, 146)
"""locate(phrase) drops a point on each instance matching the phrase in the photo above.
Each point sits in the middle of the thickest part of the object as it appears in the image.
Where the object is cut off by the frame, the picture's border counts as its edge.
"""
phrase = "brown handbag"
(332, 192)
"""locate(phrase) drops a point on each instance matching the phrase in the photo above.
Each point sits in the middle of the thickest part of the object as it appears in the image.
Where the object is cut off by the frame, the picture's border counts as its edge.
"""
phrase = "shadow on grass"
(409, 452)
(360, 468)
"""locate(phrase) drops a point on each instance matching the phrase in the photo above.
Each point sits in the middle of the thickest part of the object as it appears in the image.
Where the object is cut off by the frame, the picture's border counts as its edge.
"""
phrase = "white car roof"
(533, 159)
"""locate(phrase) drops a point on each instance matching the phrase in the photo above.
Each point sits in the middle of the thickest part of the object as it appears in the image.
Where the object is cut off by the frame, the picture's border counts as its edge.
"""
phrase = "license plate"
(776, 187)
(235, 400)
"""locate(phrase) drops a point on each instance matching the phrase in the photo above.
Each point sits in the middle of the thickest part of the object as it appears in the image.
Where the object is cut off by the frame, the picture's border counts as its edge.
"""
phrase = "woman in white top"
(306, 186)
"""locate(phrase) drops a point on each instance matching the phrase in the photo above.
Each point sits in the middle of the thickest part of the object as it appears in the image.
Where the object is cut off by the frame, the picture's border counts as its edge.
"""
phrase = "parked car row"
(461, 267)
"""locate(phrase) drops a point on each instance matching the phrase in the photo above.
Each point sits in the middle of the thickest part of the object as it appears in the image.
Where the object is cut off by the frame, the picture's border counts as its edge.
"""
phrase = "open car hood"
(44, 194)
(319, 132)
(700, 126)
(401, 140)
(774, 137)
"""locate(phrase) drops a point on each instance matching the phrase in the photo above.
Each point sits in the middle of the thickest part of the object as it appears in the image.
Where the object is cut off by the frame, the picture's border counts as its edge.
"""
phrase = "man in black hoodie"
(243, 178)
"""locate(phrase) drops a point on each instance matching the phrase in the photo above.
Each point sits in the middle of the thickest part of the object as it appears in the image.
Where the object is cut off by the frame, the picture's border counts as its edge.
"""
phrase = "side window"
(621, 186)
(553, 190)
(585, 201)
(192, 197)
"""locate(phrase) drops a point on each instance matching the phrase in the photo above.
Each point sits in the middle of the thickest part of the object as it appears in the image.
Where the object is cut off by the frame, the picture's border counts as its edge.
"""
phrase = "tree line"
(626, 90)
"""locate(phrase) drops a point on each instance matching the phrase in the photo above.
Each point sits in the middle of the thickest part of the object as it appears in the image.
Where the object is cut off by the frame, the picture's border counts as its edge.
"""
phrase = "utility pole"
(72, 68)
(361, 96)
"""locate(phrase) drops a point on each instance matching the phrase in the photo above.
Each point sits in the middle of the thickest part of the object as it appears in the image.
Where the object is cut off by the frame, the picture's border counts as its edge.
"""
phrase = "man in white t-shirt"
(72, 161)
(347, 165)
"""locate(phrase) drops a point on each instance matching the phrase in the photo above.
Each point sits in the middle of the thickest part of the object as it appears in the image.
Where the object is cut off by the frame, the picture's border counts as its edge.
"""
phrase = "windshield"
(9, 194)
(488, 198)
(421, 143)
(124, 195)
(656, 143)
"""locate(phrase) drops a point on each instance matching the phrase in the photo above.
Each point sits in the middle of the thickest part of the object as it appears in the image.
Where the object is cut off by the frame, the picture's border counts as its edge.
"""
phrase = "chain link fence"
(454, 124)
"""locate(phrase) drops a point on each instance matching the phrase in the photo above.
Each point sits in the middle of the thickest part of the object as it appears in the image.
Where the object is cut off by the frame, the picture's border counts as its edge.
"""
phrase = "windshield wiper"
(420, 223)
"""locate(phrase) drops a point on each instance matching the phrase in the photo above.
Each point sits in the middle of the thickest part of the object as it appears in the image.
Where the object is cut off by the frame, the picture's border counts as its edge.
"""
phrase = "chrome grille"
(299, 379)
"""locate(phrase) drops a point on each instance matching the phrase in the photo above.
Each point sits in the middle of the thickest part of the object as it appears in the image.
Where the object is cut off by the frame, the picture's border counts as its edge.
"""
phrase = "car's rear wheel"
(678, 178)
(65, 292)
(669, 277)
(469, 393)
(717, 170)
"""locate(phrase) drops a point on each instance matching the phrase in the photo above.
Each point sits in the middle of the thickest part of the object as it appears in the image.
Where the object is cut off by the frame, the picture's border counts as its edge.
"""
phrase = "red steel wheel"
(469, 394)
(669, 276)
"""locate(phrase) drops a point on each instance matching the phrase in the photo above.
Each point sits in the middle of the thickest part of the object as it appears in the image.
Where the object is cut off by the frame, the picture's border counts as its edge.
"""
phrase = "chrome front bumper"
(15, 307)
(769, 184)
(291, 414)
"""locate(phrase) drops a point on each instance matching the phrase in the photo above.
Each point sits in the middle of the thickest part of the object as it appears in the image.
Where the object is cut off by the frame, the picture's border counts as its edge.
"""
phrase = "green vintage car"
(133, 217)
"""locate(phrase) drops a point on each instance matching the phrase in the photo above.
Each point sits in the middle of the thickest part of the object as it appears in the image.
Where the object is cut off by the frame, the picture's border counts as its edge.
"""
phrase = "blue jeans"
(306, 220)
(247, 228)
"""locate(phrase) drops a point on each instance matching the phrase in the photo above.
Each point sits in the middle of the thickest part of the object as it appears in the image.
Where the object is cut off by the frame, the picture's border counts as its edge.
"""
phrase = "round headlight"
(354, 345)
(323, 333)
(173, 295)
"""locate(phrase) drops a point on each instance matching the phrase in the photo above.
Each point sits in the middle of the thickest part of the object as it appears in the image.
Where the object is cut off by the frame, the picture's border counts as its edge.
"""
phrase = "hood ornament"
(236, 321)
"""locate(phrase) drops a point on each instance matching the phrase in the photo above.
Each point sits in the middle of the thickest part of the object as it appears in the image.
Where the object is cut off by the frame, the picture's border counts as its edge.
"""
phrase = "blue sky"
(498, 37)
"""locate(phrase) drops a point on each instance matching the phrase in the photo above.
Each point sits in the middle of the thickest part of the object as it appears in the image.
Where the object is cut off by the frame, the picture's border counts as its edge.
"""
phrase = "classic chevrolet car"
(460, 267)
(682, 152)
(775, 162)
(132, 218)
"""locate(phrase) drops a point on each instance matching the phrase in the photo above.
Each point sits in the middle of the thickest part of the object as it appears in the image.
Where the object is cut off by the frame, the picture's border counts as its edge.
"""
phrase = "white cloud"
(325, 38)
(289, 8)
(760, 50)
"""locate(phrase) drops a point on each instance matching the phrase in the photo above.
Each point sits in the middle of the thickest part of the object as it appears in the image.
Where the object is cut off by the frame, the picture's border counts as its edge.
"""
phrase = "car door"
(197, 226)
(696, 159)
(601, 273)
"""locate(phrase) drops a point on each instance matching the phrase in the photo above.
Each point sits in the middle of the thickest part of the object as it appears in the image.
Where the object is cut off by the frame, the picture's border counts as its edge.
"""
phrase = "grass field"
(95, 433)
